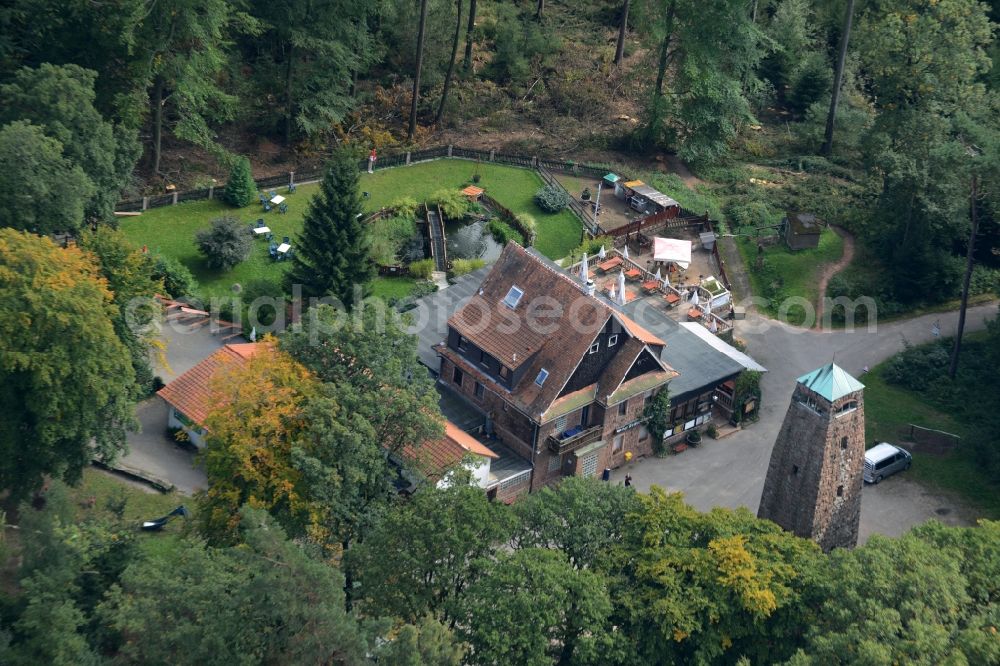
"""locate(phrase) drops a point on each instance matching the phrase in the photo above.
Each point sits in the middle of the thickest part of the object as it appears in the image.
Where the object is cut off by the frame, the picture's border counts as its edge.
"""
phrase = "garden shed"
(802, 230)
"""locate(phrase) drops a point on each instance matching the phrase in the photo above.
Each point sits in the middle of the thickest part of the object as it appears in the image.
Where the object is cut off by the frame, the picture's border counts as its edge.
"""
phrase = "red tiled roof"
(191, 393)
(435, 458)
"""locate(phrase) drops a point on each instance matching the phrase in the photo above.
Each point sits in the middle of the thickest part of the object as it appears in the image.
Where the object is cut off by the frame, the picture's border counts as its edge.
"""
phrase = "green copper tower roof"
(831, 381)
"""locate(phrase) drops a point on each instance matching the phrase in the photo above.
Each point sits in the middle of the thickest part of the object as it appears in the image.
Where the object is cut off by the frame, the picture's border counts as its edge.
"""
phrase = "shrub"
(463, 266)
(263, 288)
(453, 203)
(503, 233)
(592, 246)
(528, 224)
(177, 279)
(551, 198)
(405, 207)
(388, 236)
(226, 243)
(240, 190)
(422, 269)
(915, 367)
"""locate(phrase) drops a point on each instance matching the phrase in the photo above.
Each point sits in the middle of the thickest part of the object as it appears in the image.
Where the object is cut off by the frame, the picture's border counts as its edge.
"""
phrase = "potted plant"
(586, 194)
(693, 438)
(712, 431)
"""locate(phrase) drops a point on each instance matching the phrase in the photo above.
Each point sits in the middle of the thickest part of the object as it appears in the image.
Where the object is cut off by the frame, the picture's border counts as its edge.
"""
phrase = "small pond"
(471, 240)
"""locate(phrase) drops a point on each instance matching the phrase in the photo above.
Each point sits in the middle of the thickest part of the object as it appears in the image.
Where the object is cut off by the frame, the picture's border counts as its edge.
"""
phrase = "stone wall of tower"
(813, 485)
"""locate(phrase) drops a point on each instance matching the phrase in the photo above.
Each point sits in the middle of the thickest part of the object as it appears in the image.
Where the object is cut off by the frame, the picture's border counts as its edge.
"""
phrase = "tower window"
(847, 408)
(457, 376)
(840, 491)
(596, 347)
(795, 470)
(843, 443)
(612, 340)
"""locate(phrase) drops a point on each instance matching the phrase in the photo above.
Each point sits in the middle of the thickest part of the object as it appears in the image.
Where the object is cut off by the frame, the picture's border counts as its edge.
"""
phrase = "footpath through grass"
(889, 409)
(788, 274)
(171, 229)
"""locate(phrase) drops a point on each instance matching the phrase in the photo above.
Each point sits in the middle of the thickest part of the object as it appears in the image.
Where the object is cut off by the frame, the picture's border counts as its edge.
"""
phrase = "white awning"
(673, 250)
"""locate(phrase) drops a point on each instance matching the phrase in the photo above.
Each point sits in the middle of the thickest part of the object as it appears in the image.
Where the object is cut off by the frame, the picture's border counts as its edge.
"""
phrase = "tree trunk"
(467, 62)
(838, 79)
(416, 75)
(348, 579)
(451, 63)
(289, 115)
(157, 122)
(540, 10)
(969, 262)
(620, 48)
(661, 69)
(753, 13)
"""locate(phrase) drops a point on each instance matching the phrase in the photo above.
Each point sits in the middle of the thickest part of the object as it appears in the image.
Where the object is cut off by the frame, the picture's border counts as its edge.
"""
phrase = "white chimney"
(591, 288)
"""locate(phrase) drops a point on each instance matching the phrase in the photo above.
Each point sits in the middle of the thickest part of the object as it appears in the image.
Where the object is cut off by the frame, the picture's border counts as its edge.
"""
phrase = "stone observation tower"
(813, 485)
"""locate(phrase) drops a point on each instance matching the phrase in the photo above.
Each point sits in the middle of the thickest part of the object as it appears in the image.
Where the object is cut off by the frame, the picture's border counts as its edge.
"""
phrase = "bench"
(679, 447)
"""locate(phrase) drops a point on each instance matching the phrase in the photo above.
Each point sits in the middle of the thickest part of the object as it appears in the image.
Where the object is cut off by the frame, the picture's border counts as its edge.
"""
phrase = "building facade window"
(612, 340)
(795, 470)
(847, 408)
(617, 444)
(457, 376)
(643, 433)
(843, 443)
(504, 372)
(840, 491)
(622, 407)
(589, 466)
(514, 480)
(480, 390)
(463, 344)
(554, 463)
(596, 347)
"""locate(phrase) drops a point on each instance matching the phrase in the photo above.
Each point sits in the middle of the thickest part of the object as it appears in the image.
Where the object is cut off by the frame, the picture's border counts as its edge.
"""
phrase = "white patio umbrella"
(601, 254)
(253, 334)
(695, 301)
(625, 251)
(666, 279)
(658, 277)
(714, 328)
(621, 287)
(584, 272)
(611, 293)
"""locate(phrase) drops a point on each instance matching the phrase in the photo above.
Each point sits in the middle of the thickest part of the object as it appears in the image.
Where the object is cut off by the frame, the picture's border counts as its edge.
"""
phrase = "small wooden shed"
(802, 230)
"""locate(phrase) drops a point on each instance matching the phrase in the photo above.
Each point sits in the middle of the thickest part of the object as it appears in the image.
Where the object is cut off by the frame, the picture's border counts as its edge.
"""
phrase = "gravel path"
(833, 269)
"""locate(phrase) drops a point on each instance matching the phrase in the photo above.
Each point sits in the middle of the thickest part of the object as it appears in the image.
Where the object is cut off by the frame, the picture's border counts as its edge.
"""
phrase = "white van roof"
(880, 452)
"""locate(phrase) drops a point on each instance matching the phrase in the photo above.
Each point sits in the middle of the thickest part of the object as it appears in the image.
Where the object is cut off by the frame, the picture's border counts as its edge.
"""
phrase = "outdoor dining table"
(633, 273)
(260, 231)
(277, 199)
(284, 247)
(610, 264)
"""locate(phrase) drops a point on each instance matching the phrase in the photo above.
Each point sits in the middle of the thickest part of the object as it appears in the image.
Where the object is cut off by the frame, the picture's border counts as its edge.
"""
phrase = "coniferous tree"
(241, 188)
(331, 255)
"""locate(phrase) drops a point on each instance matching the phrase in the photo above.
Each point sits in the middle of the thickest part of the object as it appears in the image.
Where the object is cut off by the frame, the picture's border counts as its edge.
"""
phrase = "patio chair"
(268, 207)
(283, 208)
(272, 249)
(260, 222)
(269, 236)
(291, 188)
(286, 239)
(272, 194)
(290, 253)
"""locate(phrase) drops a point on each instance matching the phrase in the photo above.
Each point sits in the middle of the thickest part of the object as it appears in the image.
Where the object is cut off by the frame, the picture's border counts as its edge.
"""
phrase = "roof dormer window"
(513, 297)
(543, 374)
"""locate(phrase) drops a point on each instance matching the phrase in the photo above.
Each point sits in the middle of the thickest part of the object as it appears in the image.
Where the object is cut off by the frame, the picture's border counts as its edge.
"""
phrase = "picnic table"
(651, 285)
(277, 199)
(672, 298)
(610, 264)
(694, 314)
(633, 273)
(284, 247)
(260, 231)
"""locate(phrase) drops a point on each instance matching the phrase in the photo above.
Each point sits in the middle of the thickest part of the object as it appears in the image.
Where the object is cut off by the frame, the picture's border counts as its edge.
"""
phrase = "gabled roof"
(831, 382)
(191, 393)
(569, 318)
(435, 458)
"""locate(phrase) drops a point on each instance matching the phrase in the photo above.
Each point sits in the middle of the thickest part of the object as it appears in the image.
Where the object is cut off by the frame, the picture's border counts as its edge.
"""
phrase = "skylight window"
(543, 374)
(513, 297)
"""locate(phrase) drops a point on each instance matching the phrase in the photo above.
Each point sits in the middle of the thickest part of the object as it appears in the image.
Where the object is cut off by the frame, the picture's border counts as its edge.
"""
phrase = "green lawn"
(171, 229)
(140, 505)
(396, 288)
(788, 274)
(890, 408)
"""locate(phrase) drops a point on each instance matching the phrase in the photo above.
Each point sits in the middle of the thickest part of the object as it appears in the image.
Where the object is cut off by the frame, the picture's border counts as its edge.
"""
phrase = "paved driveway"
(730, 472)
(149, 450)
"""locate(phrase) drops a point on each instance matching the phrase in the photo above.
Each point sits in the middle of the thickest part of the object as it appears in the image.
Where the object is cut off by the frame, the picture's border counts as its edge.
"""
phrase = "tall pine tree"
(331, 255)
